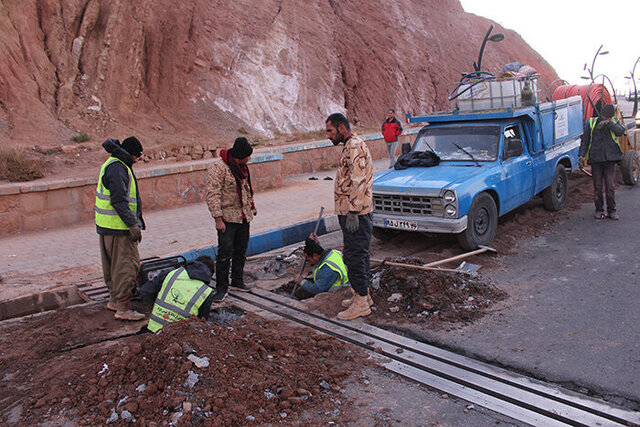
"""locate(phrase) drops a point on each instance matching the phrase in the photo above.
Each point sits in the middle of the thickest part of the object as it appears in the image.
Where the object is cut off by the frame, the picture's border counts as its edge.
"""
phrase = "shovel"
(304, 260)
(586, 172)
(461, 256)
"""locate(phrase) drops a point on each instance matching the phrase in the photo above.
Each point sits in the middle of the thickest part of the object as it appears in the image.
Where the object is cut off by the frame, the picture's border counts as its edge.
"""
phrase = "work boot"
(112, 304)
(124, 312)
(347, 302)
(599, 215)
(240, 287)
(359, 307)
(614, 215)
(220, 295)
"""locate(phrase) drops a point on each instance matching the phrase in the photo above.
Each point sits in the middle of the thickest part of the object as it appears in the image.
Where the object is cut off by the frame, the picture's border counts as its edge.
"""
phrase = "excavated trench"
(290, 290)
(224, 316)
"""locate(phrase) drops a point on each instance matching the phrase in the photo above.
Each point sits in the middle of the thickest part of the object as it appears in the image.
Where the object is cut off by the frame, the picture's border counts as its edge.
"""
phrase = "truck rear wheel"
(630, 167)
(555, 195)
(482, 223)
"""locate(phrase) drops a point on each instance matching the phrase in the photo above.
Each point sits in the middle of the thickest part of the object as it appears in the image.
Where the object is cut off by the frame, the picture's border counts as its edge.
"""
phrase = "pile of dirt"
(433, 297)
(253, 371)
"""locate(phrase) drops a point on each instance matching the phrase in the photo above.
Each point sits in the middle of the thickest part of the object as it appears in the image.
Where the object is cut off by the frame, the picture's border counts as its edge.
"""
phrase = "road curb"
(40, 302)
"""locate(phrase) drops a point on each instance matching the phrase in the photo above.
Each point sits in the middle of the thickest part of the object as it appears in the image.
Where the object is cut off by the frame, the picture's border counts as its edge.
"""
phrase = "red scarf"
(239, 172)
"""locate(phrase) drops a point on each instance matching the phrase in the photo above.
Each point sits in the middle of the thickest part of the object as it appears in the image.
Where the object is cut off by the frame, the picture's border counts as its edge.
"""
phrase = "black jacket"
(116, 179)
(417, 158)
(603, 147)
(196, 271)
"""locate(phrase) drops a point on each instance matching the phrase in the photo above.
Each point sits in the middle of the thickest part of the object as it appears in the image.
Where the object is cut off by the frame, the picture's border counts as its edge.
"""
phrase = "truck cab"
(491, 162)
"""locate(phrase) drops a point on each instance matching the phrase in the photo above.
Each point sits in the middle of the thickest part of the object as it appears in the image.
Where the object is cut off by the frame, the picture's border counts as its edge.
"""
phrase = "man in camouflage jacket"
(230, 201)
(353, 205)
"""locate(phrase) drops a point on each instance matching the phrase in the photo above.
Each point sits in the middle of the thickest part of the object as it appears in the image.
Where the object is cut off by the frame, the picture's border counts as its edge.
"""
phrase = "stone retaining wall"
(47, 204)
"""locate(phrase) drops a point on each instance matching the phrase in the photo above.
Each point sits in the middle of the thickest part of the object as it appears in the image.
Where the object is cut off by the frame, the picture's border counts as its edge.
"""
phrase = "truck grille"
(408, 205)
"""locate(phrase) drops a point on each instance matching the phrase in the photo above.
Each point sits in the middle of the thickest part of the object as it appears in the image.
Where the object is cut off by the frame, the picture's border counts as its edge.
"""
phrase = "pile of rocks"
(182, 154)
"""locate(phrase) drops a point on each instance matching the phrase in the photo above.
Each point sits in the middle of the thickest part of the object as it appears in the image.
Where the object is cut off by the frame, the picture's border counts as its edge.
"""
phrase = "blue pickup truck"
(491, 162)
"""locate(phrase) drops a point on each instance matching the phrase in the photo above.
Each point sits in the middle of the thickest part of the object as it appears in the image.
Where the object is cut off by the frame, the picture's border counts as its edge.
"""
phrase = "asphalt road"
(572, 316)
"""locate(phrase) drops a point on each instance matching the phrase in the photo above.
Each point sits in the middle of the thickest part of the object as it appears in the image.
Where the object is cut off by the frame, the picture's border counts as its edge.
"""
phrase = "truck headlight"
(449, 196)
(450, 210)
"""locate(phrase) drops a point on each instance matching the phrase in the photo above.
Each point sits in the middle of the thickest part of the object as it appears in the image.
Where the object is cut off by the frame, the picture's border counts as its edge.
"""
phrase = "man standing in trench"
(119, 223)
(353, 204)
(230, 201)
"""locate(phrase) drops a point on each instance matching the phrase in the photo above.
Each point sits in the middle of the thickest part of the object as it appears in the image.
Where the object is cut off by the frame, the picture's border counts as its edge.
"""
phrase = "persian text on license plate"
(398, 223)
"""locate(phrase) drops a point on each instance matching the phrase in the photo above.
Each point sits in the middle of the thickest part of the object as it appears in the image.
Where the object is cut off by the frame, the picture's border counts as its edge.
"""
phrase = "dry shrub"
(18, 164)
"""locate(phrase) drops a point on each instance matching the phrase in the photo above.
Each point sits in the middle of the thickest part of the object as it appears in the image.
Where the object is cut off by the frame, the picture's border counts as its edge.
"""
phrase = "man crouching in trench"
(180, 293)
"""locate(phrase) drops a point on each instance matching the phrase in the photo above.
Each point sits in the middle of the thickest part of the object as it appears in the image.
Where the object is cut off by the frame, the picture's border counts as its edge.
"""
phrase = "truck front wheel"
(555, 195)
(482, 222)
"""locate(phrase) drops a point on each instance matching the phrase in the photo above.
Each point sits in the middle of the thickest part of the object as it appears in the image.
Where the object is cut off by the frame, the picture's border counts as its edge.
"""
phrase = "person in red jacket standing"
(391, 129)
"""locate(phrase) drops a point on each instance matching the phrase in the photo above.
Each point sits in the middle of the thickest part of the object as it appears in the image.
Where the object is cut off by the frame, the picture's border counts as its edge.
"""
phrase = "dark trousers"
(232, 249)
(356, 252)
(604, 172)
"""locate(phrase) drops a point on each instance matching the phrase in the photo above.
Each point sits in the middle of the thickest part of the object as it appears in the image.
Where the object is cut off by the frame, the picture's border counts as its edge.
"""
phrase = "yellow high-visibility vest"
(179, 298)
(592, 125)
(335, 262)
(106, 215)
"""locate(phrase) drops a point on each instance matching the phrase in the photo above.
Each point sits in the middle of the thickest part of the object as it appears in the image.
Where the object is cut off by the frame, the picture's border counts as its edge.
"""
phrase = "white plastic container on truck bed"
(495, 94)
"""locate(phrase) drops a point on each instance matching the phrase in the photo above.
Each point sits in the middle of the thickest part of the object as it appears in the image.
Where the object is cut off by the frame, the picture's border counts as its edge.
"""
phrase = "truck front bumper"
(424, 223)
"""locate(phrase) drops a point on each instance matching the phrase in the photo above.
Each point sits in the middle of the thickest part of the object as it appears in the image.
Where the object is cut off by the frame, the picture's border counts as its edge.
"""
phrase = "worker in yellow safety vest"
(119, 223)
(180, 293)
(600, 149)
(329, 272)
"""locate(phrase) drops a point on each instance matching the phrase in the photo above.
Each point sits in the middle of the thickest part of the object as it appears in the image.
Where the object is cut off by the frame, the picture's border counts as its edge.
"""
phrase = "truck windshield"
(479, 141)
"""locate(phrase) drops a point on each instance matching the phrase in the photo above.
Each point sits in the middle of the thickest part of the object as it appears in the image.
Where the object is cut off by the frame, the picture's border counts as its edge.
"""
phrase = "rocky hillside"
(208, 70)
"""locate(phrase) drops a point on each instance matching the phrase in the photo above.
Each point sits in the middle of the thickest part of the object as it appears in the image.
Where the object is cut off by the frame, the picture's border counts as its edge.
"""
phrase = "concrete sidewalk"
(170, 231)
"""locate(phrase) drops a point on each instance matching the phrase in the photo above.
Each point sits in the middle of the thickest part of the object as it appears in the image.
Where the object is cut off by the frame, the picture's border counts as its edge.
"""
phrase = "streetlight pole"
(635, 88)
(494, 38)
(593, 63)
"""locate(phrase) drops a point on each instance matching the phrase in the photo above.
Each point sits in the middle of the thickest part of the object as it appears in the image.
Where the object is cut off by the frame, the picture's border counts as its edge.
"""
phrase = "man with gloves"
(230, 201)
(353, 204)
(600, 148)
(119, 223)
(180, 293)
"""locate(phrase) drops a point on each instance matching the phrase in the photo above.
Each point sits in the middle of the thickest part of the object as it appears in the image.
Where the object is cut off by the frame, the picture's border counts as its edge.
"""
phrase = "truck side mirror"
(406, 147)
(513, 148)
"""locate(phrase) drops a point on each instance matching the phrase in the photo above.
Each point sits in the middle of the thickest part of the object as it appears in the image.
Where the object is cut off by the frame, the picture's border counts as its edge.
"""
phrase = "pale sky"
(568, 33)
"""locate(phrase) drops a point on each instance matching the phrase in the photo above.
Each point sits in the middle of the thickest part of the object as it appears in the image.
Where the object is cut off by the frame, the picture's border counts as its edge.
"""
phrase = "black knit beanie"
(241, 148)
(608, 111)
(133, 146)
(312, 247)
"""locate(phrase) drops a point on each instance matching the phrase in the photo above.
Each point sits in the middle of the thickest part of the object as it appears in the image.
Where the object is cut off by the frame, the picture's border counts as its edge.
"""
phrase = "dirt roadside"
(151, 370)
(252, 371)
(79, 366)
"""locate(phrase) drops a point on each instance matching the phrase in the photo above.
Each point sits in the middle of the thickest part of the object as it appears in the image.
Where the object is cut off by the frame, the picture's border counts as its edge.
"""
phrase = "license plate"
(399, 223)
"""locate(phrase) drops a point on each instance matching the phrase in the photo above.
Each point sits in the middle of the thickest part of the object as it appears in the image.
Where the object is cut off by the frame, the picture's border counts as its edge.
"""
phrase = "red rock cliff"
(205, 69)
